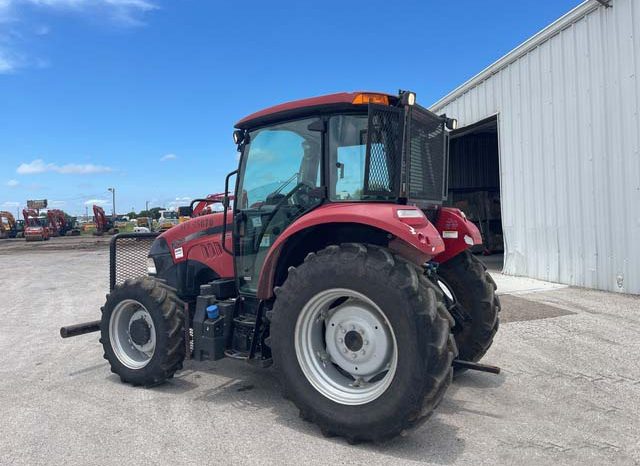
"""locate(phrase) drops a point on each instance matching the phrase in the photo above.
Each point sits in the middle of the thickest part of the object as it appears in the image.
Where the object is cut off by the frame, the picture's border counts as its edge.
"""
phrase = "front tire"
(142, 332)
(473, 291)
(346, 299)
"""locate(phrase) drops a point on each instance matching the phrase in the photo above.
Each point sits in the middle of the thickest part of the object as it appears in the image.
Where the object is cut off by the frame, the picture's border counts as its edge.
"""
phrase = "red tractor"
(34, 227)
(337, 263)
(103, 223)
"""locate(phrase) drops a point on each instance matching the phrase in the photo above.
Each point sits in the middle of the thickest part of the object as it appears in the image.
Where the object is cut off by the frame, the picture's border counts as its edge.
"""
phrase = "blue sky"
(142, 95)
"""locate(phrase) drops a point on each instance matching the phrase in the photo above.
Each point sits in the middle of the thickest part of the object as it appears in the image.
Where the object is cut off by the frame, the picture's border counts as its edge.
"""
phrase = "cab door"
(280, 172)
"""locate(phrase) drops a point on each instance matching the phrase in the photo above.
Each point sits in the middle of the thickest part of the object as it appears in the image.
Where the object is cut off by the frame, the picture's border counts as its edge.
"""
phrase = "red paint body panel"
(453, 226)
(416, 235)
(196, 243)
(330, 99)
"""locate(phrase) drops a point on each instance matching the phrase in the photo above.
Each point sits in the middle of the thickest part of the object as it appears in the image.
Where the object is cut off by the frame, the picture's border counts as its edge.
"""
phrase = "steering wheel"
(277, 206)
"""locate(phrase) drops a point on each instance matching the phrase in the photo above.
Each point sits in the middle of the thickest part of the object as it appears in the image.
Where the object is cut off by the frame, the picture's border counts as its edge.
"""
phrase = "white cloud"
(166, 157)
(11, 204)
(15, 31)
(13, 183)
(101, 202)
(8, 63)
(40, 166)
(57, 203)
(121, 12)
(179, 201)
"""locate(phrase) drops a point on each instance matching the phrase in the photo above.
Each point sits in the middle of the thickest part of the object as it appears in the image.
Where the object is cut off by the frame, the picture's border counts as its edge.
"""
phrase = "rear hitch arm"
(80, 329)
(474, 366)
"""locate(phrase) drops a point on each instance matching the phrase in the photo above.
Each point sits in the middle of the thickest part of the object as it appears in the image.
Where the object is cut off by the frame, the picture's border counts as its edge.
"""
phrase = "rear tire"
(142, 332)
(473, 290)
(416, 320)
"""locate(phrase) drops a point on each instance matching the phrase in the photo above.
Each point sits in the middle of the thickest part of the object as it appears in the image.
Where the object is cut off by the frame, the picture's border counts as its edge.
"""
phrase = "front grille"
(128, 256)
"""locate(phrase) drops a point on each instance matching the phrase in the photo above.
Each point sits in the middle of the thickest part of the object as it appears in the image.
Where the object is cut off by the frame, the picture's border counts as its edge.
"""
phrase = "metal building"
(558, 117)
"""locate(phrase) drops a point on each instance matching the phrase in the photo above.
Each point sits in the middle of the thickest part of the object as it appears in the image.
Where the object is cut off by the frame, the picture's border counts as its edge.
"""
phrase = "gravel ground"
(569, 391)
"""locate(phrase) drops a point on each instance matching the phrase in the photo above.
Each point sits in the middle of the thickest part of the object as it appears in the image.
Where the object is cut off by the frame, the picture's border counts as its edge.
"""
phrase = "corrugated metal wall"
(569, 138)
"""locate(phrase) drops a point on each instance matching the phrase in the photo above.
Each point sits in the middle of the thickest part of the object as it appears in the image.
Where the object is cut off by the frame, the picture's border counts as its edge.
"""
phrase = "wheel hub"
(353, 340)
(358, 340)
(132, 334)
(140, 331)
(345, 346)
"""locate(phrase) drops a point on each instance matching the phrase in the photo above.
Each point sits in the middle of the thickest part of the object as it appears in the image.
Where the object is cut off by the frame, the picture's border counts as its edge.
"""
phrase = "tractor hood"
(178, 240)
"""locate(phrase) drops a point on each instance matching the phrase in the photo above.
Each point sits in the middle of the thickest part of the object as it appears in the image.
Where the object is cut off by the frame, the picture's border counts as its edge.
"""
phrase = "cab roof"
(307, 107)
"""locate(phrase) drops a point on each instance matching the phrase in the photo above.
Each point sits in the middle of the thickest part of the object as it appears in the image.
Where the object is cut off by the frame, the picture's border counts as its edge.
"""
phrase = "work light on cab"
(368, 98)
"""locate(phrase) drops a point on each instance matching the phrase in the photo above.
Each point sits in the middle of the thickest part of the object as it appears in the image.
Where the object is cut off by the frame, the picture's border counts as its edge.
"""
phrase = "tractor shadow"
(252, 389)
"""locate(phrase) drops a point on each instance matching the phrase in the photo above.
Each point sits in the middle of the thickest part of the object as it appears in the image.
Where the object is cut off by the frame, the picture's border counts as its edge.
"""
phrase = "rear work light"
(409, 213)
(365, 98)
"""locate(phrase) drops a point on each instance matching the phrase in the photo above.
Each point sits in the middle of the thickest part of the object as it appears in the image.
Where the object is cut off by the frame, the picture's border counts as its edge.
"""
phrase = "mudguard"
(414, 238)
(457, 232)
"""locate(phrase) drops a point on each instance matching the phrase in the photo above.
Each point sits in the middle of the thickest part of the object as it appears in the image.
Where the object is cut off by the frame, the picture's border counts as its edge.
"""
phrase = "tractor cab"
(343, 148)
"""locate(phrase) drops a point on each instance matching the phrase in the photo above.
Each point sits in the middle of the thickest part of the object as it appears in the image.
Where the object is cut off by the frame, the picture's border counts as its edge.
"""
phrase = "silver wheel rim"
(346, 346)
(130, 354)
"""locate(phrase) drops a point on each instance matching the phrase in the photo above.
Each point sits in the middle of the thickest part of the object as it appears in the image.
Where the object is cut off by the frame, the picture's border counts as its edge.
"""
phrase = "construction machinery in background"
(61, 224)
(184, 214)
(103, 223)
(7, 225)
(144, 222)
(35, 227)
(201, 206)
(168, 219)
(337, 263)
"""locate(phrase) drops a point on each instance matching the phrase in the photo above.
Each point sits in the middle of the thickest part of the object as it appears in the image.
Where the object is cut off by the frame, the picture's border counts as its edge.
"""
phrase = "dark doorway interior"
(474, 180)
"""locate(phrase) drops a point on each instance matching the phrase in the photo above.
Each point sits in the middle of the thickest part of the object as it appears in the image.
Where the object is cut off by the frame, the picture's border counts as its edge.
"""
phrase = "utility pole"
(86, 213)
(113, 203)
(147, 206)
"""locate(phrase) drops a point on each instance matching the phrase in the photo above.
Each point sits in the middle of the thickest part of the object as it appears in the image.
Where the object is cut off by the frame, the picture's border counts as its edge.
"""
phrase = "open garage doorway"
(474, 184)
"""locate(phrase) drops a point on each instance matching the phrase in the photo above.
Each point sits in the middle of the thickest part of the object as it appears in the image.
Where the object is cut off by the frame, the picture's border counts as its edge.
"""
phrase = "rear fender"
(414, 238)
(458, 233)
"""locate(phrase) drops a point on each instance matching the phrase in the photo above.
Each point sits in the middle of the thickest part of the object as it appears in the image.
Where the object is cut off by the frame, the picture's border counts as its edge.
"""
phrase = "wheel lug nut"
(363, 352)
(354, 355)
(366, 342)
(340, 340)
(344, 350)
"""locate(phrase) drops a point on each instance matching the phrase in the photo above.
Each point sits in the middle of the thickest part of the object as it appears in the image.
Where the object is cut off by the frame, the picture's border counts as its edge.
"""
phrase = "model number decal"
(179, 253)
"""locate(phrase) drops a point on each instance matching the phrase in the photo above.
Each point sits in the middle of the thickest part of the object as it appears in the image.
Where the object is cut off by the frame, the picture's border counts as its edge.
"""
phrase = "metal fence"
(128, 256)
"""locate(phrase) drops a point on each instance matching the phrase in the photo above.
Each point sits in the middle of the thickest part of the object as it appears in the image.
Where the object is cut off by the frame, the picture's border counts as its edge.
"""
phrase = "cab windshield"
(280, 173)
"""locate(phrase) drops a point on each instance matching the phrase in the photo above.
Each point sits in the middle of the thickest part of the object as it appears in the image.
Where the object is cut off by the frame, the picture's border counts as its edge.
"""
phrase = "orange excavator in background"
(59, 225)
(34, 228)
(103, 223)
(200, 207)
(7, 225)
